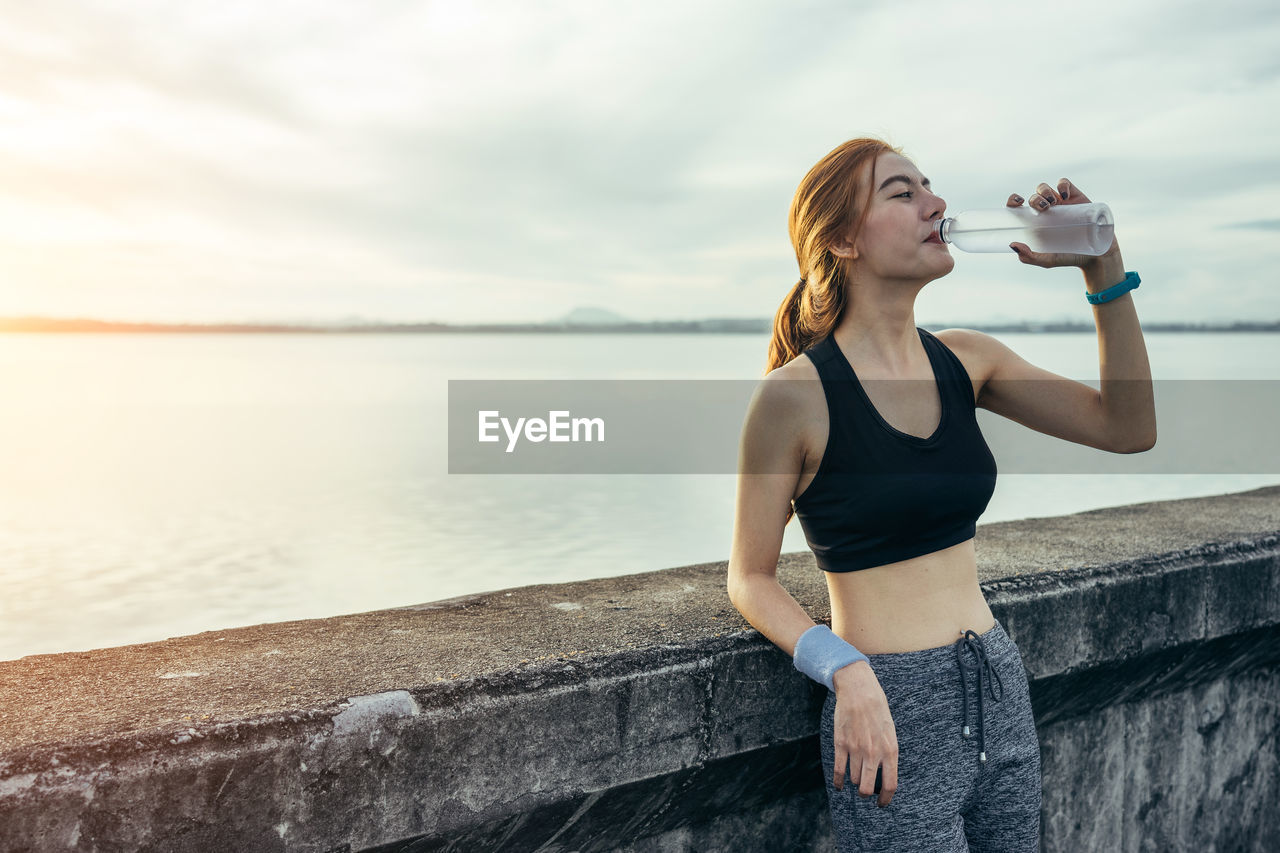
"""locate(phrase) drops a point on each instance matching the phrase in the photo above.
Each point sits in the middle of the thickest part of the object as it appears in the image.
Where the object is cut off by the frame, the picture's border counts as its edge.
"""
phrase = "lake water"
(163, 484)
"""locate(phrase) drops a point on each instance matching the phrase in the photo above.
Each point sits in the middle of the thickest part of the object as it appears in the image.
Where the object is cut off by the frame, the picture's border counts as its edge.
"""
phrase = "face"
(901, 216)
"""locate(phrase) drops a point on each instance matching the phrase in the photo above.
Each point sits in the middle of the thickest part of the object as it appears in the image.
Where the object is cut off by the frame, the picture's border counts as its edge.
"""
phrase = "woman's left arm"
(1121, 416)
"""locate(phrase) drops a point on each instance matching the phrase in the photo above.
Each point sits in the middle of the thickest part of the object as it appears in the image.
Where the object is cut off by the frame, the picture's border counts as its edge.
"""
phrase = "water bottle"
(1083, 229)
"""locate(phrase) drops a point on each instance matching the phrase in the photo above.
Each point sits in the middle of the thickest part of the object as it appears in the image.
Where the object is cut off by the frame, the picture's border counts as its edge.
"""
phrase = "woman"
(927, 712)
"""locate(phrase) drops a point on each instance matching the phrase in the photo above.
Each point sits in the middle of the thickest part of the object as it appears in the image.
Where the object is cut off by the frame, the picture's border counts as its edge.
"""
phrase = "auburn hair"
(826, 205)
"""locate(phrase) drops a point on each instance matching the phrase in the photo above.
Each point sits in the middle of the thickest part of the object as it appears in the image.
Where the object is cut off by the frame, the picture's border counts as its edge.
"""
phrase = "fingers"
(1015, 200)
(1024, 253)
(1071, 193)
(866, 747)
(867, 785)
(848, 766)
(1044, 197)
(879, 778)
(1047, 260)
(874, 777)
(889, 785)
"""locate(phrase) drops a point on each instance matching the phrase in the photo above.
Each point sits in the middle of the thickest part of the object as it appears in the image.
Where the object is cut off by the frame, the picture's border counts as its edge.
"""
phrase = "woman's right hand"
(865, 736)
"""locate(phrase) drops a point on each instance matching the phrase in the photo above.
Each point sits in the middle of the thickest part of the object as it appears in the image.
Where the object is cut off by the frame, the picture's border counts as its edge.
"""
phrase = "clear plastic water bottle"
(1084, 229)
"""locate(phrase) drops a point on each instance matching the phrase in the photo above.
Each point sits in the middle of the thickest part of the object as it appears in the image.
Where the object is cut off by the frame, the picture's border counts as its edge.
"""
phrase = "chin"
(946, 270)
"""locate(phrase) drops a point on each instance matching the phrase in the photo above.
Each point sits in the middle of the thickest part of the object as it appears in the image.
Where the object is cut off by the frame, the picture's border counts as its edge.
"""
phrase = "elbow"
(740, 588)
(1133, 432)
(738, 600)
(734, 589)
(1139, 444)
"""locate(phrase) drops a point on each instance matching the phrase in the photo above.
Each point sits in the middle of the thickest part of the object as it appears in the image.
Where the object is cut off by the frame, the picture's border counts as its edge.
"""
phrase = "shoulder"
(983, 348)
(980, 353)
(785, 406)
(800, 367)
(782, 391)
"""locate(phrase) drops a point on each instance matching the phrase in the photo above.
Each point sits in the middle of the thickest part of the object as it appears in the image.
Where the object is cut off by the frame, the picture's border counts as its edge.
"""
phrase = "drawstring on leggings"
(973, 642)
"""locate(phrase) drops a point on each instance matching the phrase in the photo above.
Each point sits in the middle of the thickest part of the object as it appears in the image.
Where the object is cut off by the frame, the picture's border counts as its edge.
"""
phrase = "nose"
(938, 207)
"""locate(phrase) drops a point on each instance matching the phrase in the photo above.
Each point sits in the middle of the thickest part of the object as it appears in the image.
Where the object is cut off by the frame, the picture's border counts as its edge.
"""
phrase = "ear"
(842, 249)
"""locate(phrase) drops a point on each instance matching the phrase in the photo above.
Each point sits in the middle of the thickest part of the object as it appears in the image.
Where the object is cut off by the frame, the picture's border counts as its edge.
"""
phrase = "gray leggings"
(947, 798)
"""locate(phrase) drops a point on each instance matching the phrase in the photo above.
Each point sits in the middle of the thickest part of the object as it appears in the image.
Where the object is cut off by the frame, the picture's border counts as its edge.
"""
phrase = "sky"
(510, 161)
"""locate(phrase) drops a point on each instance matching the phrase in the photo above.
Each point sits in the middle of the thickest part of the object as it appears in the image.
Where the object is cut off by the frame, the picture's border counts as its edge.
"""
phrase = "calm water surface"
(158, 485)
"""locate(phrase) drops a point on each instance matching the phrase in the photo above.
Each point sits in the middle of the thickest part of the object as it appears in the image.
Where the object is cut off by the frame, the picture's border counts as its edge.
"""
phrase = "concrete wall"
(642, 713)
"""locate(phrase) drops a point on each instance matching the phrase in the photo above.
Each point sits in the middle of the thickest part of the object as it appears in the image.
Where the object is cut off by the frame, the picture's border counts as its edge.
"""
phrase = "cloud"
(458, 161)
(1257, 224)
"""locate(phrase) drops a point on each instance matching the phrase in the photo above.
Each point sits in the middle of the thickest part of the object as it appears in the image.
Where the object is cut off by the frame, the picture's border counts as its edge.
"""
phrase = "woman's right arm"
(771, 442)
(770, 461)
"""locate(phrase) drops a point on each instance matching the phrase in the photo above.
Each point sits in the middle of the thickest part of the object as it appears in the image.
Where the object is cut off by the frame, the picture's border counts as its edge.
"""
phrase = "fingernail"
(1015, 248)
(1043, 204)
(1019, 199)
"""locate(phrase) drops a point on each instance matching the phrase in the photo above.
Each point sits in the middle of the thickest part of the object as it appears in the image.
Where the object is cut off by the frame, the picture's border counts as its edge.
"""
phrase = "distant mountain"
(590, 315)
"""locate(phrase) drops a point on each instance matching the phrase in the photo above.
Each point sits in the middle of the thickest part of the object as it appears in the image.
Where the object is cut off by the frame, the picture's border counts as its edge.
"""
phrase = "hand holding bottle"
(1044, 198)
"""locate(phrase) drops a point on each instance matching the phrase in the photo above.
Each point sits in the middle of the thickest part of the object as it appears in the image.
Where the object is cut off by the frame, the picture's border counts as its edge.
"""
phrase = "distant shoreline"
(695, 327)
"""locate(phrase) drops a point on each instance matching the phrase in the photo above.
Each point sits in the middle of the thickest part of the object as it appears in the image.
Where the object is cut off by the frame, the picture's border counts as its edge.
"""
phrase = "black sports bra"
(881, 495)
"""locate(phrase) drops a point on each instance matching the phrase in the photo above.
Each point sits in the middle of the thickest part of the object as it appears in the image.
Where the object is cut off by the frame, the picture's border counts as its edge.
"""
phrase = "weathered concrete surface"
(642, 713)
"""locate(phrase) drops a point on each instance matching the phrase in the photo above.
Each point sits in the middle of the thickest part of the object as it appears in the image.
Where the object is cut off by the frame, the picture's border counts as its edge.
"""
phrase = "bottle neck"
(943, 229)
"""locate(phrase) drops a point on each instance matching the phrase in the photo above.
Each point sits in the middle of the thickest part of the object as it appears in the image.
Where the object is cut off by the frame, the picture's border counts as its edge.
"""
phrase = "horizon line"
(42, 323)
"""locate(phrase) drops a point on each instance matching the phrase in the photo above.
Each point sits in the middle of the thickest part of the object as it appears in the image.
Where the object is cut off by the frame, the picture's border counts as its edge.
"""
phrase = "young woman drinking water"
(927, 734)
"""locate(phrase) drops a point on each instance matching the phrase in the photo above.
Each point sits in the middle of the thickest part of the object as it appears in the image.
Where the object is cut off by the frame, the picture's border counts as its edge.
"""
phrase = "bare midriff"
(921, 603)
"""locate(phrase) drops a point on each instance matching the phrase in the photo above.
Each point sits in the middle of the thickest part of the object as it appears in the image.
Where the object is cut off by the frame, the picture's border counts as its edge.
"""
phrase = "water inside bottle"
(1049, 238)
(1067, 238)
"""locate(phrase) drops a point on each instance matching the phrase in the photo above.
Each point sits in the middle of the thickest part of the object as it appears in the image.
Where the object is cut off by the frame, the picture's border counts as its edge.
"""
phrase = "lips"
(934, 238)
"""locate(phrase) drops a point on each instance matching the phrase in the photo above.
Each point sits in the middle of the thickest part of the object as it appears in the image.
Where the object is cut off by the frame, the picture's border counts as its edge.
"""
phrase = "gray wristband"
(819, 653)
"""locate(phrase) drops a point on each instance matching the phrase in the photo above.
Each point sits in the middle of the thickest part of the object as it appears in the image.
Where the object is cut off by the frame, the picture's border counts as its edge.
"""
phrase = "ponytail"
(824, 206)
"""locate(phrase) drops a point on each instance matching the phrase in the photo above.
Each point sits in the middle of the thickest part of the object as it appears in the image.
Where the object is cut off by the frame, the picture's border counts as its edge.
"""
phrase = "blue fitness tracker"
(1130, 282)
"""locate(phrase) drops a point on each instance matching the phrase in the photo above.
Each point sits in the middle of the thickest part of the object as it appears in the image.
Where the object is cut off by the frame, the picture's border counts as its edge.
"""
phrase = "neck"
(879, 327)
